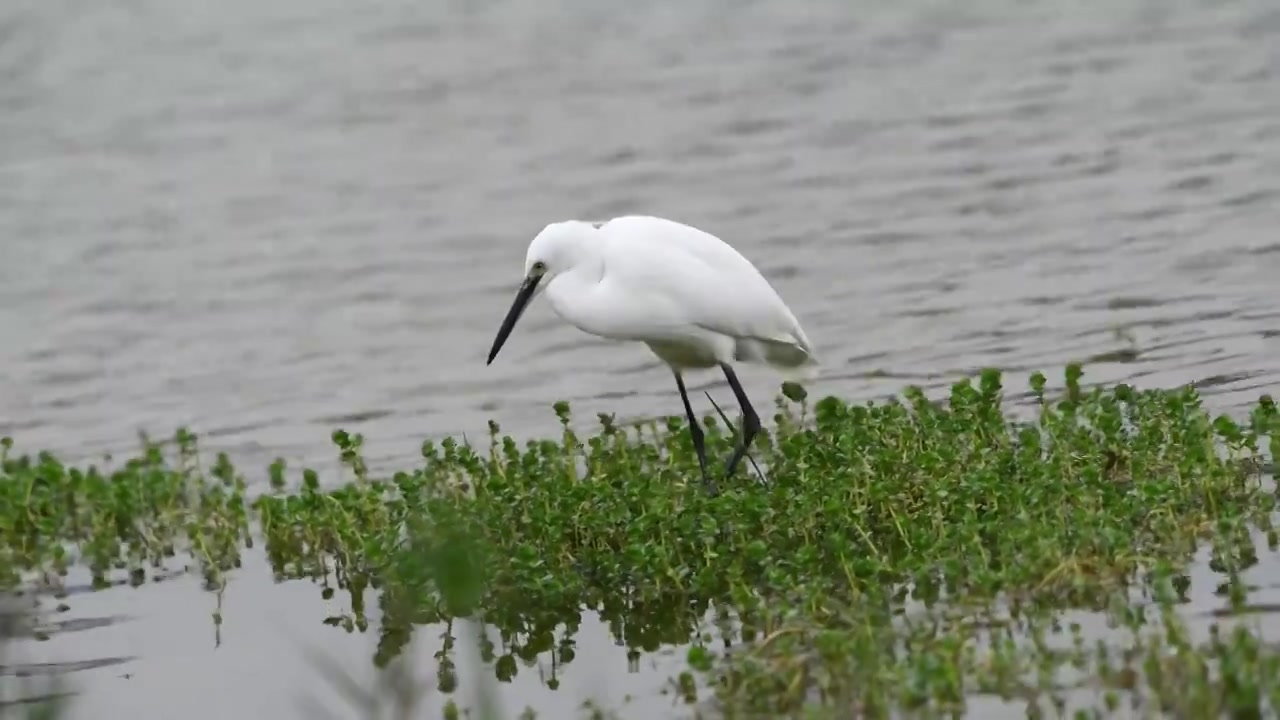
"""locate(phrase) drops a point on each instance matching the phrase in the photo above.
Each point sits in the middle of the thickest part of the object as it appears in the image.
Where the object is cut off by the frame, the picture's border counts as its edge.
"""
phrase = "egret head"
(555, 250)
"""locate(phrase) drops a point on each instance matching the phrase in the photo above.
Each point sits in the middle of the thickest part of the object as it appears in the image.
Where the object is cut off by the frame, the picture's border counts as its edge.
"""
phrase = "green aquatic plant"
(908, 555)
(133, 518)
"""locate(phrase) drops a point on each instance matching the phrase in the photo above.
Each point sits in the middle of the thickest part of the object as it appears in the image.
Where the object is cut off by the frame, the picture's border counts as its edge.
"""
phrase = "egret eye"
(539, 267)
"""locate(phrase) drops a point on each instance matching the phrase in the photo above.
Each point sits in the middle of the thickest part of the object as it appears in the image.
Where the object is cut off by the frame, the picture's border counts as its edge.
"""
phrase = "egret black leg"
(695, 430)
(750, 421)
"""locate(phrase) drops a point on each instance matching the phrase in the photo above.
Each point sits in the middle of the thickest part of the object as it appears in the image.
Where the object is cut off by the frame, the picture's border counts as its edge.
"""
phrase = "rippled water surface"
(265, 220)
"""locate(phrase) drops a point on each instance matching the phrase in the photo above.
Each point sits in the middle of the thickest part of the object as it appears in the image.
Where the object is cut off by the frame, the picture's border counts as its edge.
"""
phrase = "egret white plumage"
(693, 299)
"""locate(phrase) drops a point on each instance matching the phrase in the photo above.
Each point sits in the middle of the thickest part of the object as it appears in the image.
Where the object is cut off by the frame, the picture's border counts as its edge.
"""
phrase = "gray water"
(267, 220)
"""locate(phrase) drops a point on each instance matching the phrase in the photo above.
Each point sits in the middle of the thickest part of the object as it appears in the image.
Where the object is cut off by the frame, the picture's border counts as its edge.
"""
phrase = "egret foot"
(750, 421)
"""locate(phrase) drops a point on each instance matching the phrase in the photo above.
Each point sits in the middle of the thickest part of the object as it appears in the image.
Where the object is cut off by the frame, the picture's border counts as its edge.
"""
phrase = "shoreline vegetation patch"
(909, 557)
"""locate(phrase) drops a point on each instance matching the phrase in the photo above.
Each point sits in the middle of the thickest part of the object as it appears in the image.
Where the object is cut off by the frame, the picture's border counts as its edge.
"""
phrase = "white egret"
(694, 300)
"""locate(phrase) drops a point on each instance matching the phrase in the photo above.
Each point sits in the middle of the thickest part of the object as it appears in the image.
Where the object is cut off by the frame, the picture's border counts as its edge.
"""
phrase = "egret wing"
(701, 277)
(662, 234)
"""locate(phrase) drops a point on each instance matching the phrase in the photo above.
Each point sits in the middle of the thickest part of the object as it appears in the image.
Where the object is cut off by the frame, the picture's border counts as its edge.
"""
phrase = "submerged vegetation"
(906, 556)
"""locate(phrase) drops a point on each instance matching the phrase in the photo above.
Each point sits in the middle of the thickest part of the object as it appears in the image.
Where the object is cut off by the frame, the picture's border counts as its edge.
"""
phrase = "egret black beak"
(523, 296)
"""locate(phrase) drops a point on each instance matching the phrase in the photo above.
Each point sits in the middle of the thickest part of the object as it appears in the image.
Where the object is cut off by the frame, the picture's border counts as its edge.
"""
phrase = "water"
(266, 220)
